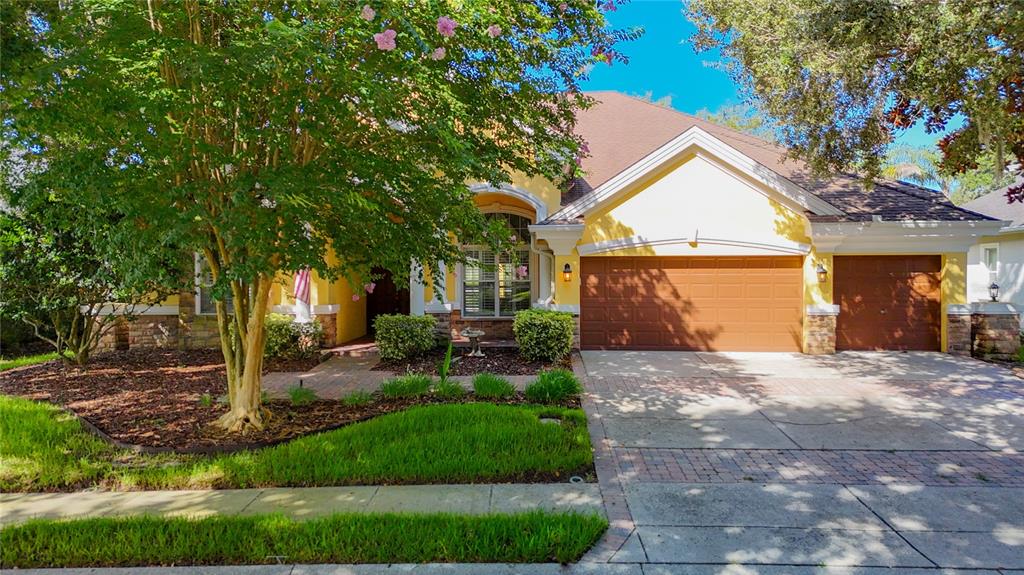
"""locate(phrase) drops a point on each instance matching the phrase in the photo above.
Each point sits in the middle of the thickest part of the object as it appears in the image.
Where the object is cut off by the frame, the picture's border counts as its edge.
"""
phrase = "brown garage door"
(691, 303)
(887, 302)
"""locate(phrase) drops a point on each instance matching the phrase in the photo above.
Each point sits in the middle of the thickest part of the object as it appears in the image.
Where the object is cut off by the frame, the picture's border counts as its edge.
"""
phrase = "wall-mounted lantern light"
(993, 292)
(567, 273)
(822, 273)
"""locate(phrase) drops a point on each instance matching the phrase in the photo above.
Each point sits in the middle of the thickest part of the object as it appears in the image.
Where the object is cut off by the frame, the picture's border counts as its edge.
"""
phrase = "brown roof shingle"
(621, 130)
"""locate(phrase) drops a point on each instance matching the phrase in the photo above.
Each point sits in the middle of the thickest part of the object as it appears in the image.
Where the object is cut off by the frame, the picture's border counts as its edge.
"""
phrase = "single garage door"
(888, 302)
(691, 303)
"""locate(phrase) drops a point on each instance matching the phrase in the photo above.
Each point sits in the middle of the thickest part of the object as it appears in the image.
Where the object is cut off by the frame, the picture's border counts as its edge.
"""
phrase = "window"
(204, 295)
(498, 285)
(990, 259)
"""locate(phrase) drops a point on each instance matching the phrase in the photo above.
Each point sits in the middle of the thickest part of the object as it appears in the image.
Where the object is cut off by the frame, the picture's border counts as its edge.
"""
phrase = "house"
(684, 235)
(998, 258)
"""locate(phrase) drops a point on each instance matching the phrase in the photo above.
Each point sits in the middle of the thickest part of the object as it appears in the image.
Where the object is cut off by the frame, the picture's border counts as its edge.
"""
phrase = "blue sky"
(663, 62)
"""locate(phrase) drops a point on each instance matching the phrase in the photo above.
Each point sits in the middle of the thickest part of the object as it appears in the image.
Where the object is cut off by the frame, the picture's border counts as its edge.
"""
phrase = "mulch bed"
(497, 360)
(151, 399)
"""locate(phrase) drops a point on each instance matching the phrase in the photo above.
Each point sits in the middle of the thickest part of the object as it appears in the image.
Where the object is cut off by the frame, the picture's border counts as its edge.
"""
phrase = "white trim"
(692, 137)
(539, 206)
(417, 291)
(569, 307)
(129, 309)
(822, 309)
(747, 247)
(993, 274)
(438, 307)
(958, 309)
(899, 237)
(326, 309)
(561, 238)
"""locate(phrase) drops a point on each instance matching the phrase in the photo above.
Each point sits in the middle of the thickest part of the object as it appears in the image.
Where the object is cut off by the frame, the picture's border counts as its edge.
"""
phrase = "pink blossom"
(438, 53)
(355, 297)
(585, 148)
(368, 13)
(521, 272)
(446, 26)
(563, 7)
(386, 39)
(369, 287)
(494, 30)
(609, 6)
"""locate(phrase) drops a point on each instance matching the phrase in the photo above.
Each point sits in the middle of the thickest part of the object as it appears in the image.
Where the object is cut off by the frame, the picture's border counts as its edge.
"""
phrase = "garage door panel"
(711, 303)
(888, 302)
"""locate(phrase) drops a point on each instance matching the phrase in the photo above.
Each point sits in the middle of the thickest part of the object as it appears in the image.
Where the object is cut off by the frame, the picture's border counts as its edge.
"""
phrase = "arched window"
(498, 285)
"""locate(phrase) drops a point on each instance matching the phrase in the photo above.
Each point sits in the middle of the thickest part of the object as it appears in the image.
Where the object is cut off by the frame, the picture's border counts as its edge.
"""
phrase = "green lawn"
(43, 449)
(346, 538)
(12, 363)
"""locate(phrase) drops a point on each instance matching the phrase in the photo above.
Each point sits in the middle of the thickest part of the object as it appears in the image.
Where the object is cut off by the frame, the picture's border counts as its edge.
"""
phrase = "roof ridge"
(911, 189)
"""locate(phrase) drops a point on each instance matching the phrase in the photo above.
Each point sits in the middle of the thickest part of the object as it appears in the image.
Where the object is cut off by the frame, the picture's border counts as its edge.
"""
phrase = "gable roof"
(621, 131)
(995, 204)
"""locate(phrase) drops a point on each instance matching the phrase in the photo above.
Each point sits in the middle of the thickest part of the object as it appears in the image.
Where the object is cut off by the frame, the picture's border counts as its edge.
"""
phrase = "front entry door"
(386, 298)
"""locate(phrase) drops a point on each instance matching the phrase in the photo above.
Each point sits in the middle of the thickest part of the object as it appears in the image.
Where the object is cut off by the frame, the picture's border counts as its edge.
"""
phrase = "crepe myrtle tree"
(843, 79)
(268, 136)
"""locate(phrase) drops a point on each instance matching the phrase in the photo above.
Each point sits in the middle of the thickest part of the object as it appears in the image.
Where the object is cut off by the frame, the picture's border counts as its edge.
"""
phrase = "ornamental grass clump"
(406, 386)
(490, 386)
(553, 386)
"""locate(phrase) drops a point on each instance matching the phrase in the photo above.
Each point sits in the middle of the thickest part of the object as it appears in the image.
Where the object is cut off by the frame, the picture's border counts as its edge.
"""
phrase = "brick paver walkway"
(851, 467)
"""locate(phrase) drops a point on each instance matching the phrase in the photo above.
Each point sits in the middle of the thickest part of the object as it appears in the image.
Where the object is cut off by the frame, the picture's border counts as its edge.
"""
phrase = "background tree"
(56, 280)
(843, 78)
(269, 136)
(744, 118)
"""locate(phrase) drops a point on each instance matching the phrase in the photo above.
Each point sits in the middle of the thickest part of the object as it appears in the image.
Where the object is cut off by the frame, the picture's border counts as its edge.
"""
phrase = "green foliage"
(289, 339)
(43, 448)
(553, 386)
(445, 365)
(543, 334)
(866, 71)
(58, 279)
(300, 396)
(401, 336)
(357, 398)
(448, 389)
(412, 385)
(746, 118)
(534, 537)
(206, 400)
(490, 386)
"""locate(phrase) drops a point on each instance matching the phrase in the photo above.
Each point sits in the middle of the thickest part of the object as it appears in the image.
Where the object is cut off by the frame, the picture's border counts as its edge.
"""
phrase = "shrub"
(406, 386)
(403, 336)
(448, 390)
(357, 398)
(543, 335)
(490, 386)
(301, 395)
(553, 386)
(287, 339)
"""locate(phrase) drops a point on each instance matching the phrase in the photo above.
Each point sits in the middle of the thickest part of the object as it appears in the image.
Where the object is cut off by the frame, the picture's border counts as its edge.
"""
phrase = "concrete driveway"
(865, 460)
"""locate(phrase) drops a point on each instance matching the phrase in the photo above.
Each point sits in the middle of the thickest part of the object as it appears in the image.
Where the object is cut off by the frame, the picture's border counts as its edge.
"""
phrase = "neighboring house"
(998, 258)
(686, 235)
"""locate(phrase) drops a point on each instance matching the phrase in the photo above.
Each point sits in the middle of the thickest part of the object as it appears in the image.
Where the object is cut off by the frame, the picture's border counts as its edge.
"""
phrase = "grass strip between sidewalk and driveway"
(42, 448)
(534, 537)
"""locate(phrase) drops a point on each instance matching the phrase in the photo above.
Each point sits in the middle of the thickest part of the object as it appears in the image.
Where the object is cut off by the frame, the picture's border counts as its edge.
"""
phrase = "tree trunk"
(245, 363)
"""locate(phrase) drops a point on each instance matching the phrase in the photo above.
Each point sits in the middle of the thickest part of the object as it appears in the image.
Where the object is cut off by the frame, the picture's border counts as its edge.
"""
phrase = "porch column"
(416, 291)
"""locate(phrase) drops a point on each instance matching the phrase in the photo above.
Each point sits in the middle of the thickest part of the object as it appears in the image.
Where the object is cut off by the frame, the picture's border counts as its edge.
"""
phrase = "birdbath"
(474, 341)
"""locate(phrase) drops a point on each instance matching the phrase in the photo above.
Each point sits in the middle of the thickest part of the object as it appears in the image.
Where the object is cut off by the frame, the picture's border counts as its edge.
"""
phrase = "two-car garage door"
(691, 303)
(754, 303)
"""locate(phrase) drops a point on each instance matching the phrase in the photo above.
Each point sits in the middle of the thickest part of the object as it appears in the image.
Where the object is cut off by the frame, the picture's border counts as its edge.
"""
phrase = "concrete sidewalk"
(306, 502)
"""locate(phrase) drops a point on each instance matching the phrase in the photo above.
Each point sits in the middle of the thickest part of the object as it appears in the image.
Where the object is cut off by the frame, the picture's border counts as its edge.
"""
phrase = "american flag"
(302, 285)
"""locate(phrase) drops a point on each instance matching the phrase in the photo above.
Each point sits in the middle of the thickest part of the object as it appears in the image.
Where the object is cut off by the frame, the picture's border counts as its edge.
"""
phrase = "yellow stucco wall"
(540, 187)
(953, 289)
